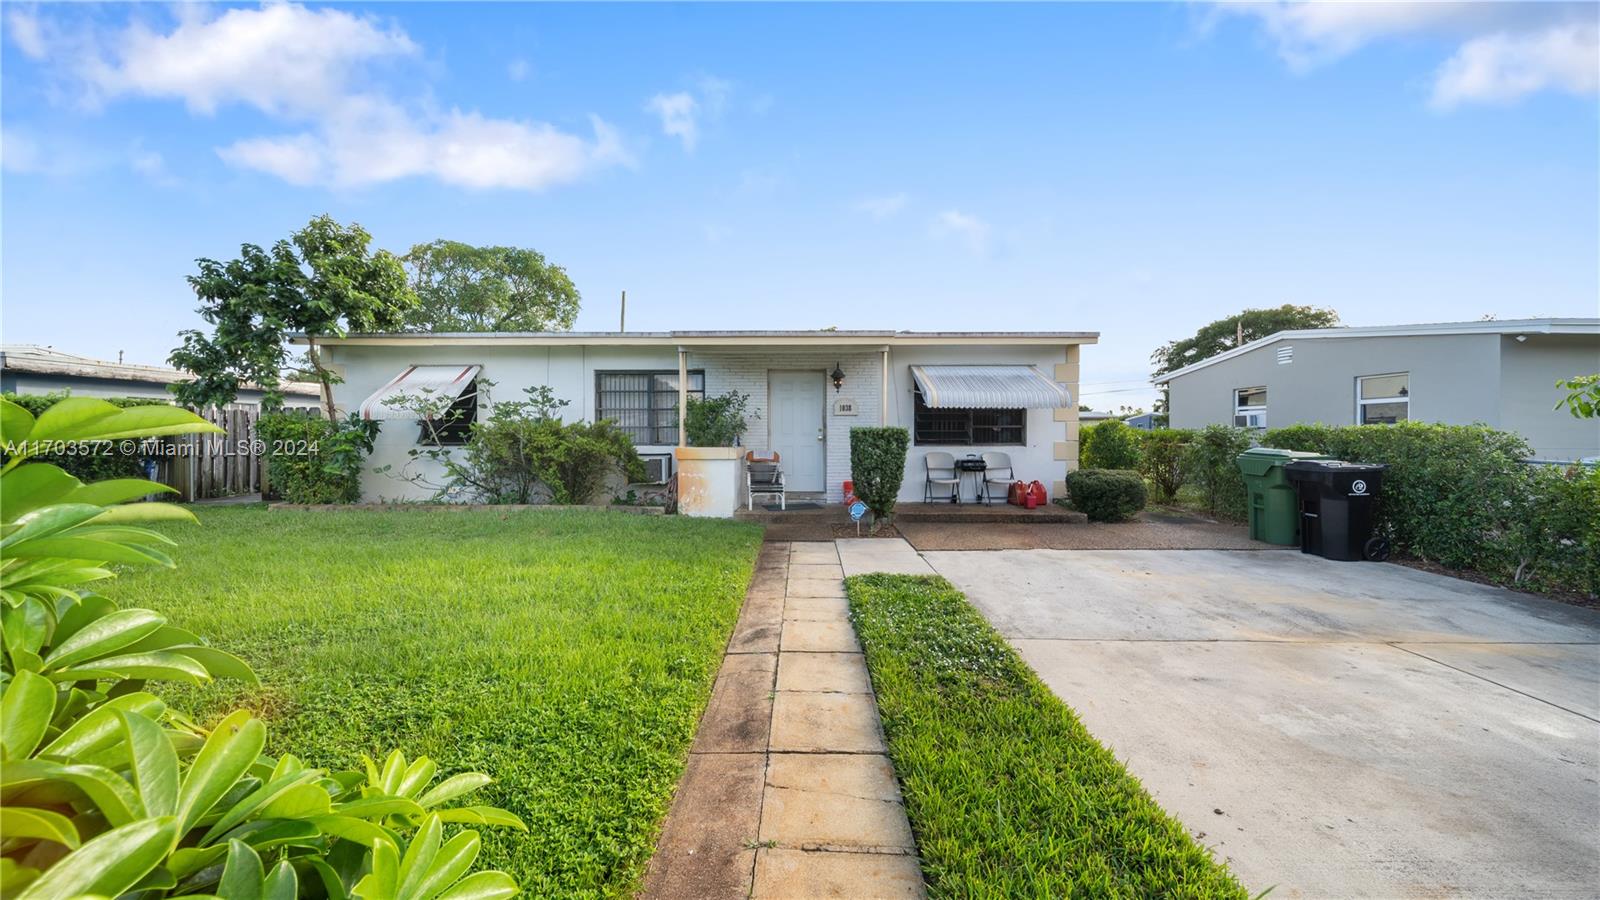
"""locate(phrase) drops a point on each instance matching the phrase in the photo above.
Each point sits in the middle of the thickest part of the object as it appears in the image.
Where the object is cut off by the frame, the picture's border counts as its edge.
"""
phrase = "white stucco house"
(957, 392)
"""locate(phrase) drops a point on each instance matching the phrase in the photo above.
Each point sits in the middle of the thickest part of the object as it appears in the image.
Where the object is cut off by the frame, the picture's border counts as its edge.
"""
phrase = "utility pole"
(622, 324)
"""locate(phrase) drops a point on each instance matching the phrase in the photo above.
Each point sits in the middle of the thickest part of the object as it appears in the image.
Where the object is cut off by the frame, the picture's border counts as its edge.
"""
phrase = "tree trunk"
(322, 378)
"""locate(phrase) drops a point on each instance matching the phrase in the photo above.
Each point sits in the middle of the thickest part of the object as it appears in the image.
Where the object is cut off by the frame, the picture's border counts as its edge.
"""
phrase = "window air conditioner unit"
(1250, 420)
(1241, 421)
(657, 469)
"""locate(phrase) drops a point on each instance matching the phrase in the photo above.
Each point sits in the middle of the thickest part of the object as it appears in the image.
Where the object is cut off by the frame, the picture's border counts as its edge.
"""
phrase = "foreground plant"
(104, 789)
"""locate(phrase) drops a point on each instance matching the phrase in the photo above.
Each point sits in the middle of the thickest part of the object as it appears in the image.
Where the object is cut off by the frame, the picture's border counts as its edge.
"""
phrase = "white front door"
(796, 402)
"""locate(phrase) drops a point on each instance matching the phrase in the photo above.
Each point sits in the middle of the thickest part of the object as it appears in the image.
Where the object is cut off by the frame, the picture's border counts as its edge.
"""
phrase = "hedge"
(1106, 495)
(113, 463)
(1110, 445)
(877, 466)
(1460, 496)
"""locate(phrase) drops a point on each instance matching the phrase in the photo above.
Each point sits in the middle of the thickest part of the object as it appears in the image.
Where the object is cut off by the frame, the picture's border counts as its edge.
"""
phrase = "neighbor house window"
(969, 427)
(1383, 399)
(1250, 407)
(644, 404)
(452, 427)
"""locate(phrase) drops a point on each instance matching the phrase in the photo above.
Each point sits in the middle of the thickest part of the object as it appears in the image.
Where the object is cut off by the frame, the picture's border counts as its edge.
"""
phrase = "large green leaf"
(383, 882)
(32, 487)
(42, 523)
(18, 822)
(102, 728)
(378, 807)
(242, 875)
(453, 787)
(146, 512)
(419, 856)
(452, 861)
(163, 665)
(112, 796)
(260, 800)
(87, 419)
(349, 828)
(109, 864)
(25, 712)
(88, 550)
(118, 490)
(100, 637)
(482, 886)
(482, 815)
(16, 423)
(219, 663)
(227, 754)
(153, 763)
(281, 883)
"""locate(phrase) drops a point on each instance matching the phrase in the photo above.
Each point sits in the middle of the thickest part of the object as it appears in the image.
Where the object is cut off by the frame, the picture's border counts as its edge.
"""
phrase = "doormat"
(804, 504)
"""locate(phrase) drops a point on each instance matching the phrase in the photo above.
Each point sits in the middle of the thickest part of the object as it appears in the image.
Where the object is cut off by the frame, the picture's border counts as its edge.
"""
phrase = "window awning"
(451, 381)
(989, 387)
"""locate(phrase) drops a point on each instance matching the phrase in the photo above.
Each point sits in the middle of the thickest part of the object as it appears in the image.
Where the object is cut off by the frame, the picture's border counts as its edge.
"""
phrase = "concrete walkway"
(789, 791)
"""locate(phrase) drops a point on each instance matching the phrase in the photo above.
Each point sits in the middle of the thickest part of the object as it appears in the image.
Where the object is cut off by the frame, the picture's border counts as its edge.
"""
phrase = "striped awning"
(451, 381)
(989, 387)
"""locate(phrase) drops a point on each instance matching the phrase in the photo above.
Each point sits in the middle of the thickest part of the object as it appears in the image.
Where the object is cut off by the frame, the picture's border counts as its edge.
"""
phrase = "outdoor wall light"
(838, 377)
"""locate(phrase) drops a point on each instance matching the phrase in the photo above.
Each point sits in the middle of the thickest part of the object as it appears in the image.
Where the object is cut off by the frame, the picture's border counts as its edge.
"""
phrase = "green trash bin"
(1273, 502)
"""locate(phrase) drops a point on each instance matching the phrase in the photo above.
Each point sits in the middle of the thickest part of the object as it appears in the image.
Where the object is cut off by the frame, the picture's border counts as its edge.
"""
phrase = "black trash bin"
(1338, 503)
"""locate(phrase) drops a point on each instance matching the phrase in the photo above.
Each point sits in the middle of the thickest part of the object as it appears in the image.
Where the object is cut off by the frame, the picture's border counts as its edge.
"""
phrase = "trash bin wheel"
(1376, 549)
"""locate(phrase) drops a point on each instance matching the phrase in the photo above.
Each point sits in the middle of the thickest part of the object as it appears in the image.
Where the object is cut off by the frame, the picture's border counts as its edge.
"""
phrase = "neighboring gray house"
(1497, 373)
(32, 369)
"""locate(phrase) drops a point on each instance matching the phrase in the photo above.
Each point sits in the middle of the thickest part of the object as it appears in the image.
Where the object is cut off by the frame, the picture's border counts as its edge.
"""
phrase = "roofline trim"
(713, 338)
(1491, 326)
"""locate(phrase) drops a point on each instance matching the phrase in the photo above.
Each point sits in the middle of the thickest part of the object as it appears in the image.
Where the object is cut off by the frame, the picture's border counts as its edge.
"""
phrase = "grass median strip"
(567, 654)
(1008, 794)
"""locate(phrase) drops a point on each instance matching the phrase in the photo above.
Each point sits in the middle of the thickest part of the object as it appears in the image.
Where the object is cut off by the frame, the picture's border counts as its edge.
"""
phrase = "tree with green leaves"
(1235, 331)
(1583, 396)
(465, 288)
(322, 281)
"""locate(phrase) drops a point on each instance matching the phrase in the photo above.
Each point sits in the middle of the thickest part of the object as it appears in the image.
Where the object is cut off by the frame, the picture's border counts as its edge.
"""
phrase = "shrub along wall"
(96, 465)
(1460, 495)
(1110, 445)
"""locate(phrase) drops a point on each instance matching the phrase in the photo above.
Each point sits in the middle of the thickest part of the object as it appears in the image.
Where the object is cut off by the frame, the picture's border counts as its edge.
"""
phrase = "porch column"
(883, 391)
(683, 394)
(1067, 373)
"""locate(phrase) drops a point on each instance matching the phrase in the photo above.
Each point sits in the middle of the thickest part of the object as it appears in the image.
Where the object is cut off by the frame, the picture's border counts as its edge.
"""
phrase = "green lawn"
(566, 653)
(1008, 794)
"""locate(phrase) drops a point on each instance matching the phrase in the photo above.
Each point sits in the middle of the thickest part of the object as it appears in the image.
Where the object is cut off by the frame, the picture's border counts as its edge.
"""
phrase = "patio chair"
(940, 469)
(763, 475)
(998, 471)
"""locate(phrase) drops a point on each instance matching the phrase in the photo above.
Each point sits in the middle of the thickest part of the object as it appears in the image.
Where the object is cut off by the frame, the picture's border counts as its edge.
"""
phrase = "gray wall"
(1528, 392)
(1455, 379)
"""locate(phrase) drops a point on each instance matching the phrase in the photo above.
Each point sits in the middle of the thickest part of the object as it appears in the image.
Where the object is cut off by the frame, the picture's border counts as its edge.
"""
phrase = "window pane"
(1384, 413)
(1384, 386)
(1251, 397)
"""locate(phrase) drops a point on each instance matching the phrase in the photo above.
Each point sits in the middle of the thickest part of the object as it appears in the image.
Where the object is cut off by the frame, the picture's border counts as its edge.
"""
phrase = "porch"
(827, 521)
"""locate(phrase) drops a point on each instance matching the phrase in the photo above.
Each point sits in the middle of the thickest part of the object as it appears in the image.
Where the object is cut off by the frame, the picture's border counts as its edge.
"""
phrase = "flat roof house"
(32, 369)
(1497, 373)
(958, 392)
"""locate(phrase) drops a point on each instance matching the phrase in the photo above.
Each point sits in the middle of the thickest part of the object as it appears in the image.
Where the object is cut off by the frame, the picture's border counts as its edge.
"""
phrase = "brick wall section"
(746, 372)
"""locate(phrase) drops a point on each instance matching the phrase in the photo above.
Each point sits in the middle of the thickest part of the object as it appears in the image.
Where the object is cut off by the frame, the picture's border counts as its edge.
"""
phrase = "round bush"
(1110, 445)
(1106, 495)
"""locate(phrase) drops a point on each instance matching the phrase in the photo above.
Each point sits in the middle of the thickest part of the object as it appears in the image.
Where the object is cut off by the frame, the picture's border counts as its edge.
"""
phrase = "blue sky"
(1137, 170)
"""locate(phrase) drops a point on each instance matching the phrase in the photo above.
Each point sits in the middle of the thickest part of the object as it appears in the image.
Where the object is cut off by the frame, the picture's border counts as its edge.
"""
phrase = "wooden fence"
(209, 466)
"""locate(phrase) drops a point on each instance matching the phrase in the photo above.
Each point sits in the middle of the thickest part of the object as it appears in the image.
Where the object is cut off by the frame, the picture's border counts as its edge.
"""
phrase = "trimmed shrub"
(1460, 495)
(1109, 445)
(716, 421)
(1162, 459)
(100, 462)
(1211, 464)
(313, 460)
(877, 466)
(1106, 495)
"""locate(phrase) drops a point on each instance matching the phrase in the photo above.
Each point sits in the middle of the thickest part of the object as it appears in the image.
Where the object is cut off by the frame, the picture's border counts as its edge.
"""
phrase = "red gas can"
(1015, 496)
(849, 491)
(1036, 496)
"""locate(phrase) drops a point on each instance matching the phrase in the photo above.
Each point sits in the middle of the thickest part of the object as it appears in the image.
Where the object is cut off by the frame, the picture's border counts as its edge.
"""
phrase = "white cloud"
(971, 230)
(1504, 50)
(313, 68)
(683, 112)
(882, 207)
(679, 114)
(1503, 68)
(26, 32)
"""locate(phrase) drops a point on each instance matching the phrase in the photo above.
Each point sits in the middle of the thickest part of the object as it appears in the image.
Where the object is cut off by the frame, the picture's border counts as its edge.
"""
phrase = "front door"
(795, 407)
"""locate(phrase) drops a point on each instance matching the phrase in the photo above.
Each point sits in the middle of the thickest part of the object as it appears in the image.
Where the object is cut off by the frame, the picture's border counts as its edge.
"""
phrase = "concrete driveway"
(1334, 729)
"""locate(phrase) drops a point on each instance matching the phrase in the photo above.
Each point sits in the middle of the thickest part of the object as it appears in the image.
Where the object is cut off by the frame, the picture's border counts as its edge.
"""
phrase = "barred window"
(969, 427)
(644, 404)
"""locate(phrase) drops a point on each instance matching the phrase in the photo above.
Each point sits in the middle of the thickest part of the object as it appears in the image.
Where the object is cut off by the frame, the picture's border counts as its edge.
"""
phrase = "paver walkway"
(789, 791)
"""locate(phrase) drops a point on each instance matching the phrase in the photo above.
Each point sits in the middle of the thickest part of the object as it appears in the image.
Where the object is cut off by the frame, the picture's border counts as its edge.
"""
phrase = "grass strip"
(1008, 794)
(568, 654)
